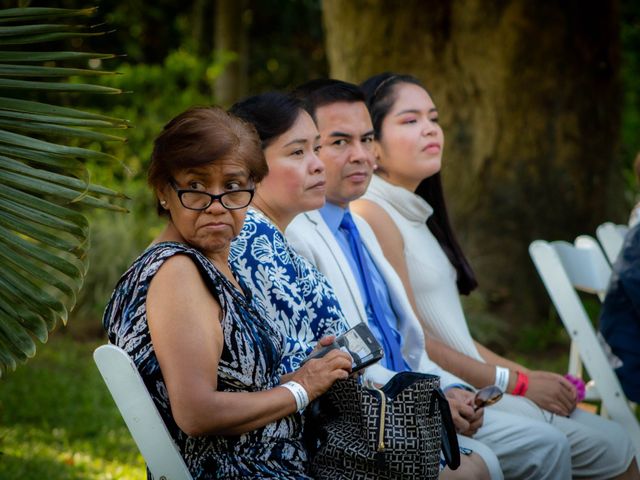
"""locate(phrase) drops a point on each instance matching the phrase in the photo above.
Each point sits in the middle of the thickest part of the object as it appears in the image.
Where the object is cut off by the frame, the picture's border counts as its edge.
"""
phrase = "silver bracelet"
(502, 378)
(299, 393)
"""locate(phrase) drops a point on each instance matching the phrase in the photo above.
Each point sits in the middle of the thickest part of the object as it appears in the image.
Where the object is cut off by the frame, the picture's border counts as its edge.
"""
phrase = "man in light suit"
(369, 290)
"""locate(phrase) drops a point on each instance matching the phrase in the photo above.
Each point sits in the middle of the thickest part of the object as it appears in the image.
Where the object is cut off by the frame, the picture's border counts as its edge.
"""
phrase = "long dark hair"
(381, 95)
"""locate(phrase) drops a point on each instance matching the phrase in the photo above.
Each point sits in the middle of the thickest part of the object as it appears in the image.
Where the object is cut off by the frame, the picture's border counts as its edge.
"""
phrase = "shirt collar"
(332, 215)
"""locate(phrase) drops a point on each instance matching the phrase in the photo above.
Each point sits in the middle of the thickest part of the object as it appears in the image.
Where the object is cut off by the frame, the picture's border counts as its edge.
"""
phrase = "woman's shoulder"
(174, 253)
(367, 207)
(376, 216)
(125, 309)
(156, 256)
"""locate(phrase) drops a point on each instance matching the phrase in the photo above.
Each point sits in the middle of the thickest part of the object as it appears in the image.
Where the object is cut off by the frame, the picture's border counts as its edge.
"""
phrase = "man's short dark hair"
(324, 91)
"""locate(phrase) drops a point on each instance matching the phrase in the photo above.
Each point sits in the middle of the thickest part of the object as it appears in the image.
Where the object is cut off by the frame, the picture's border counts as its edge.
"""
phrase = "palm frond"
(44, 181)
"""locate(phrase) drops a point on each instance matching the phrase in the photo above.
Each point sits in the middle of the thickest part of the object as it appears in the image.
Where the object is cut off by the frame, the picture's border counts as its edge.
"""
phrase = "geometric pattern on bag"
(347, 421)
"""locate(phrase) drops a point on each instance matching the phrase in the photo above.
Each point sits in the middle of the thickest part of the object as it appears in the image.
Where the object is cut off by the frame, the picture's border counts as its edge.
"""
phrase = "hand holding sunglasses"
(486, 396)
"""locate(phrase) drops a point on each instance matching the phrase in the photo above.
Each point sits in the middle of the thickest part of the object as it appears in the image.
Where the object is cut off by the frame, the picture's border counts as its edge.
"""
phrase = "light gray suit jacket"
(311, 237)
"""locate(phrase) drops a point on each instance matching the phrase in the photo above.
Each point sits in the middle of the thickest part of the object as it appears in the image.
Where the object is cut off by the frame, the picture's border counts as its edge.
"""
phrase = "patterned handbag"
(396, 432)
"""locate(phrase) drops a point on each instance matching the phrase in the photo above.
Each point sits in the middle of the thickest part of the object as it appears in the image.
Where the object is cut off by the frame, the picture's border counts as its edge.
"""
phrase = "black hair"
(324, 91)
(381, 95)
(271, 113)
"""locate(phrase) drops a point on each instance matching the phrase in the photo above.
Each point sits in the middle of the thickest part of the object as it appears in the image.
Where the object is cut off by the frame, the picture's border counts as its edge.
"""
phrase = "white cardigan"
(432, 277)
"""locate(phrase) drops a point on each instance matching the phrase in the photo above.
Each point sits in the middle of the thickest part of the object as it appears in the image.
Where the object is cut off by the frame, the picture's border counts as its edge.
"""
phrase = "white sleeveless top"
(432, 276)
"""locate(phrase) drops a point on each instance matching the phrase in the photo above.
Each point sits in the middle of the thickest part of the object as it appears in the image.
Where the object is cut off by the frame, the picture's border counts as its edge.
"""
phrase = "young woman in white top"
(406, 209)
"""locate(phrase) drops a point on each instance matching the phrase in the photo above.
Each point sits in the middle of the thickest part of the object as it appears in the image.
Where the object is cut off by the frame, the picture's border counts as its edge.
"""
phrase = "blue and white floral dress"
(285, 287)
(252, 354)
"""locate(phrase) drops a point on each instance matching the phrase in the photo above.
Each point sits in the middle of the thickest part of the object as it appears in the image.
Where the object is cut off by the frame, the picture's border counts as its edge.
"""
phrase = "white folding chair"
(140, 414)
(588, 271)
(564, 268)
(611, 237)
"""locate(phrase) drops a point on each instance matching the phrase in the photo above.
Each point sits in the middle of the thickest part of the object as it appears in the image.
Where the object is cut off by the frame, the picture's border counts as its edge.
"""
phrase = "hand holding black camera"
(359, 343)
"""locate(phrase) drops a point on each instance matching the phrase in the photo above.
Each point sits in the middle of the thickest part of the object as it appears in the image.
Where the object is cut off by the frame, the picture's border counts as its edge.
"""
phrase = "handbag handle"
(448, 437)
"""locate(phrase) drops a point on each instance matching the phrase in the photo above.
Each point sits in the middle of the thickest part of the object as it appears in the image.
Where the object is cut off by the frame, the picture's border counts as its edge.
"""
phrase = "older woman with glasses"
(209, 360)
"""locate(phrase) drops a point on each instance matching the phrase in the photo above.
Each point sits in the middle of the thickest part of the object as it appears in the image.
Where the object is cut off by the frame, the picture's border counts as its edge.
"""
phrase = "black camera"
(358, 342)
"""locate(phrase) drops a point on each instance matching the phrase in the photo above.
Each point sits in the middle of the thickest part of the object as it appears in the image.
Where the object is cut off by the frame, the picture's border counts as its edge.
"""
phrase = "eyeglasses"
(199, 200)
(487, 396)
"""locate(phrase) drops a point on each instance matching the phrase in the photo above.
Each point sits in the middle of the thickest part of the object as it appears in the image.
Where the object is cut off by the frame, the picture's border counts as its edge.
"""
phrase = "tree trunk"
(231, 45)
(529, 99)
(202, 28)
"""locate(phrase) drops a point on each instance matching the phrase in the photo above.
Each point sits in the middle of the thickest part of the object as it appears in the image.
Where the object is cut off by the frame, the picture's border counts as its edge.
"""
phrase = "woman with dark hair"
(284, 285)
(406, 209)
(209, 360)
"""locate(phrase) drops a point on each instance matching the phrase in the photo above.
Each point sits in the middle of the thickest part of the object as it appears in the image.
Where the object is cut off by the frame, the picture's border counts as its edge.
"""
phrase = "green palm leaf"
(30, 57)
(44, 182)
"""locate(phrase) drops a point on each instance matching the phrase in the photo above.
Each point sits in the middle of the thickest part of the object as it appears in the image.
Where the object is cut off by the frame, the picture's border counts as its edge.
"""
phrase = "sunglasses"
(487, 396)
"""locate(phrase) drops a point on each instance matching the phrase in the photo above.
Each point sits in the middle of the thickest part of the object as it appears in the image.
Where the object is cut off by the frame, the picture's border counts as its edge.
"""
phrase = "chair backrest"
(554, 261)
(585, 264)
(140, 414)
(611, 237)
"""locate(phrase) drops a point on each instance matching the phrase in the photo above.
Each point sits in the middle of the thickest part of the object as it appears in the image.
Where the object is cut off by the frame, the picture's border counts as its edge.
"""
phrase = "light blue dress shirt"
(332, 215)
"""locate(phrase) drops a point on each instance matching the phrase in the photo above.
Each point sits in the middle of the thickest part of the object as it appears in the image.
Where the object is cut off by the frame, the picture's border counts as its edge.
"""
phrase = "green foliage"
(155, 94)
(44, 183)
(484, 326)
(543, 345)
(546, 335)
(58, 421)
(158, 93)
(287, 44)
(116, 240)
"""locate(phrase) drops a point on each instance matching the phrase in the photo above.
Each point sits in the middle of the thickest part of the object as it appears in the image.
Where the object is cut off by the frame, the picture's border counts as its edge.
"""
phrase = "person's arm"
(495, 359)
(548, 390)
(188, 340)
(474, 372)
(390, 240)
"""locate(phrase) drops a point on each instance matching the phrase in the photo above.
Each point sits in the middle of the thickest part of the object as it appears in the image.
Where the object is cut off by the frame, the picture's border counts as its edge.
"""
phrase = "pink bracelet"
(581, 390)
(522, 384)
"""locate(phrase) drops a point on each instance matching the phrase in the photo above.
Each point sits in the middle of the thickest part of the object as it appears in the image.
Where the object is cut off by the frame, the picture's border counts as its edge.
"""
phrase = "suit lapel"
(340, 260)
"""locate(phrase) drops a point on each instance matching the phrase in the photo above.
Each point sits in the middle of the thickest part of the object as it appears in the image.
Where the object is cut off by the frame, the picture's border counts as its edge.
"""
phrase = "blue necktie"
(390, 342)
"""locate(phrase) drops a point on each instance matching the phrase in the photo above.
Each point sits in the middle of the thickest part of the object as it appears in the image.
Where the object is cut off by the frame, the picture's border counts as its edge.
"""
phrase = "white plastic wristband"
(502, 378)
(299, 393)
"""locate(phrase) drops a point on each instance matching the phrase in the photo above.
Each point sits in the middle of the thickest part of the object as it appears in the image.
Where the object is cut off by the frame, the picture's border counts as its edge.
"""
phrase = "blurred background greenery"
(57, 418)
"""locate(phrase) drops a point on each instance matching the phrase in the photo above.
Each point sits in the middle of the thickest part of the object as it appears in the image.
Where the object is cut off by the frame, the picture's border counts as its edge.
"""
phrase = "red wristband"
(522, 384)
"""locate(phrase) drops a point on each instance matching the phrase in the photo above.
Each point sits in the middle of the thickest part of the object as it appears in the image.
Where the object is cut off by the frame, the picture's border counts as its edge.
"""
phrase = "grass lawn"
(58, 421)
